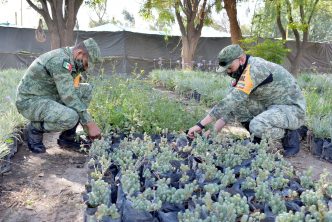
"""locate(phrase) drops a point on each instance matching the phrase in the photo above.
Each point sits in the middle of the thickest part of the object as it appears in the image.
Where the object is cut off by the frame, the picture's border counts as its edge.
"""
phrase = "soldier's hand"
(207, 134)
(93, 131)
(193, 130)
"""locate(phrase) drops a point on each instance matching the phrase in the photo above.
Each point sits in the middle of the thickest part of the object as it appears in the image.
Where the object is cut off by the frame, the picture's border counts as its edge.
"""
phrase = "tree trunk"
(188, 51)
(60, 17)
(296, 62)
(60, 38)
(300, 45)
(236, 34)
(55, 38)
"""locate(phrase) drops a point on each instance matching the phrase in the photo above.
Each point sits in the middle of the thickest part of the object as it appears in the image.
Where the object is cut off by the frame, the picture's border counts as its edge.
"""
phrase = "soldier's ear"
(242, 59)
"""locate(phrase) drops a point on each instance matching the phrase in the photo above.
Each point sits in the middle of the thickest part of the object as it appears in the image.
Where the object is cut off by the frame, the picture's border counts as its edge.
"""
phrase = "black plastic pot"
(269, 215)
(5, 165)
(89, 215)
(254, 206)
(296, 186)
(292, 205)
(129, 214)
(109, 219)
(174, 176)
(249, 193)
(168, 217)
(170, 207)
(327, 150)
(302, 132)
(235, 189)
(85, 197)
(317, 147)
(120, 197)
(113, 194)
(118, 137)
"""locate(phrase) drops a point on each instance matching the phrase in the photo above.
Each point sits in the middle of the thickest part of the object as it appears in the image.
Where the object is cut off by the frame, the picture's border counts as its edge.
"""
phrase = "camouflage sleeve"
(226, 106)
(238, 95)
(65, 86)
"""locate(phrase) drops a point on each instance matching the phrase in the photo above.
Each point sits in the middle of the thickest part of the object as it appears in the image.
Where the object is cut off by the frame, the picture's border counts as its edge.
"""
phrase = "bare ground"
(304, 160)
(44, 187)
(48, 187)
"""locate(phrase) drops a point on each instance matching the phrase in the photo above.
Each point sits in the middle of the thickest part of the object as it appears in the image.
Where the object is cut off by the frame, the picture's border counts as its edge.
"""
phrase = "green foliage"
(270, 50)
(318, 93)
(9, 117)
(264, 21)
(191, 16)
(207, 193)
(212, 87)
(132, 105)
(99, 194)
(164, 11)
(130, 182)
(290, 216)
(99, 7)
(277, 204)
(320, 28)
(104, 210)
(306, 179)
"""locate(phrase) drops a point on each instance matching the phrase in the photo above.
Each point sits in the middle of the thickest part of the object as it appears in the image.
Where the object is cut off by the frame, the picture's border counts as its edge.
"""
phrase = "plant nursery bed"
(12, 144)
(170, 180)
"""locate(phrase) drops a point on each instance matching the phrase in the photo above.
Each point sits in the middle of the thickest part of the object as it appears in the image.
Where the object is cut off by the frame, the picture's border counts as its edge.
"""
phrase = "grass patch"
(318, 93)
(130, 105)
(212, 87)
(9, 117)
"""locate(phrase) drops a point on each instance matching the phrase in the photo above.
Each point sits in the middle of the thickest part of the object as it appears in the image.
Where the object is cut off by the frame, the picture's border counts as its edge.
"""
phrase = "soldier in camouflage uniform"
(52, 98)
(265, 98)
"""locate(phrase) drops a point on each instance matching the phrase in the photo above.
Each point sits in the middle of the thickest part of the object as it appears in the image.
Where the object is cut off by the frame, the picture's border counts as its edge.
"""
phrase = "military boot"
(70, 139)
(35, 139)
(291, 143)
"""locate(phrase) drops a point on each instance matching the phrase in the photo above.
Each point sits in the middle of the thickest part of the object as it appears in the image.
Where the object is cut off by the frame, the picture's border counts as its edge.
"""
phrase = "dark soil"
(44, 187)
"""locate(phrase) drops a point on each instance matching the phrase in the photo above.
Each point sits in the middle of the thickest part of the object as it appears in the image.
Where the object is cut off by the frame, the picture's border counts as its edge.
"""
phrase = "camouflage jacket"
(51, 76)
(263, 81)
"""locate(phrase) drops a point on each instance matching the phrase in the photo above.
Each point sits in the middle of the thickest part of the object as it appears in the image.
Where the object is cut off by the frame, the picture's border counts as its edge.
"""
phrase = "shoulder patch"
(245, 83)
(67, 65)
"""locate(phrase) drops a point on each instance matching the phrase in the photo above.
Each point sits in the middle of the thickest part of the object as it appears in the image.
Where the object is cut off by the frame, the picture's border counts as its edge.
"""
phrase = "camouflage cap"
(227, 55)
(93, 50)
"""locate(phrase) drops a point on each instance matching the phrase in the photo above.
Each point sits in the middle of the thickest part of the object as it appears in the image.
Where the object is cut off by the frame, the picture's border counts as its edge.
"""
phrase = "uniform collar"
(247, 59)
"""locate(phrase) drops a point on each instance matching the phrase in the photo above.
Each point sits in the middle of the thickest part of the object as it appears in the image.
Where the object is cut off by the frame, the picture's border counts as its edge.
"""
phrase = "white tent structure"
(206, 31)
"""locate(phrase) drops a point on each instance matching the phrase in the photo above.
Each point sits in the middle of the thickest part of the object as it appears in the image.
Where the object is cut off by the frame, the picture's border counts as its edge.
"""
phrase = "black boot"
(256, 140)
(70, 139)
(291, 143)
(35, 139)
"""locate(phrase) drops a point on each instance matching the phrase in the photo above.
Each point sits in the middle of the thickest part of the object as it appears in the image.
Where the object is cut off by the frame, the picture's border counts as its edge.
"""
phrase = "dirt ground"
(48, 187)
(304, 159)
(44, 187)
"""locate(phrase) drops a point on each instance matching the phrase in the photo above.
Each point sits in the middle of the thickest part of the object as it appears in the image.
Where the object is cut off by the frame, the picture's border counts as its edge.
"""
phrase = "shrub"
(270, 50)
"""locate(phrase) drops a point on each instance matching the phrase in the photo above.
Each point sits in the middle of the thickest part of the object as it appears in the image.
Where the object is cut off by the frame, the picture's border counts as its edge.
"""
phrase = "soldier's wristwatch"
(200, 125)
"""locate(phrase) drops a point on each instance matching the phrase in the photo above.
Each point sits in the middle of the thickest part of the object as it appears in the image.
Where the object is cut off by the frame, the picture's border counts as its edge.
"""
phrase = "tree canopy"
(191, 16)
(60, 17)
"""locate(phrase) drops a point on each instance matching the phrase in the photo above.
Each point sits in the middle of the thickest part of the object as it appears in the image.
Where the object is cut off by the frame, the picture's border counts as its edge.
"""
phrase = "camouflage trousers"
(271, 121)
(50, 115)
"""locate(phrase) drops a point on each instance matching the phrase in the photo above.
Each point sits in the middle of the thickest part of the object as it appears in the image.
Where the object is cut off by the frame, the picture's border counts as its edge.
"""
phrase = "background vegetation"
(9, 117)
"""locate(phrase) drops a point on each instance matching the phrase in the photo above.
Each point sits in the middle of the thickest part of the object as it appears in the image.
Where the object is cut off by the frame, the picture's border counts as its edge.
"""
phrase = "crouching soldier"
(52, 98)
(265, 98)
